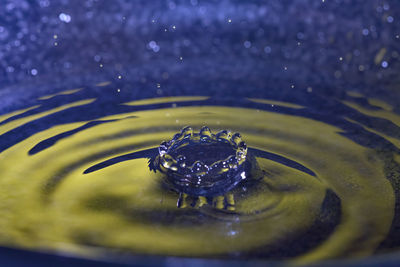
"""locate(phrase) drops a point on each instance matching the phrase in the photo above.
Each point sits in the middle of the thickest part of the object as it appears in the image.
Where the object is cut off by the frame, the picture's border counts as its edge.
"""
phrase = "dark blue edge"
(19, 257)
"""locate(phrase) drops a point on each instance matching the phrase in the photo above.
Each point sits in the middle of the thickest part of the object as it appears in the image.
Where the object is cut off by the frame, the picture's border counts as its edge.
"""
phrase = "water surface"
(329, 186)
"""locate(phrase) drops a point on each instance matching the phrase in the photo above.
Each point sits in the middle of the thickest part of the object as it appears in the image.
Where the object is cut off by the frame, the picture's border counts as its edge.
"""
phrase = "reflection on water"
(75, 177)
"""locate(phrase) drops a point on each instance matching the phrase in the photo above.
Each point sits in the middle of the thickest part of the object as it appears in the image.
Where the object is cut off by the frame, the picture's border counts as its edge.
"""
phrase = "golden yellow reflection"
(165, 100)
(276, 103)
(16, 113)
(66, 92)
(124, 206)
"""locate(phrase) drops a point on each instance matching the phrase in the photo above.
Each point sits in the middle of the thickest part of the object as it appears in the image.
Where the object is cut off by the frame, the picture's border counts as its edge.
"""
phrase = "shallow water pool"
(328, 188)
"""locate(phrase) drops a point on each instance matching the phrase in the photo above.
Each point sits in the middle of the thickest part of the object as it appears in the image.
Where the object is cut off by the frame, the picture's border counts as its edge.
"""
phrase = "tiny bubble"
(44, 3)
(300, 35)
(67, 65)
(386, 6)
(337, 74)
(384, 64)
(152, 44)
(172, 5)
(64, 17)
(34, 72)
(165, 75)
(97, 58)
(119, 77)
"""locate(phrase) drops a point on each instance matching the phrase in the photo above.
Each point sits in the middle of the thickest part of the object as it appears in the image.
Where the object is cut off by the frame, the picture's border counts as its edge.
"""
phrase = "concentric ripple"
(322, 195)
